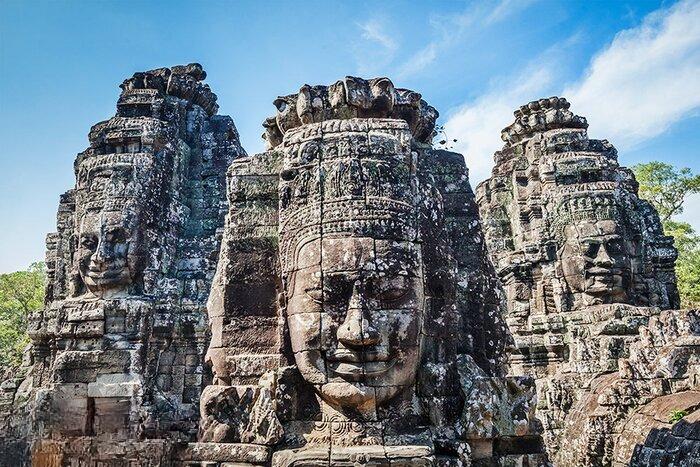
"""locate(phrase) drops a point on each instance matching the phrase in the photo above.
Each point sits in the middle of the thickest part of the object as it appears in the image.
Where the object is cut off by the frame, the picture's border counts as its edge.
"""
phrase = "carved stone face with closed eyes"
(596, 260)
(109, 253)
(355, 309)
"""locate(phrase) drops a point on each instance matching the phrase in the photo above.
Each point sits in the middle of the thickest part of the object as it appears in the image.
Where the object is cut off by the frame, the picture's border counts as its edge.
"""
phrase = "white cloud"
(419, 60)
(376, 47)
(506, 8)
(448, 29)
(647, 78)
(477, 126)
(373, 30)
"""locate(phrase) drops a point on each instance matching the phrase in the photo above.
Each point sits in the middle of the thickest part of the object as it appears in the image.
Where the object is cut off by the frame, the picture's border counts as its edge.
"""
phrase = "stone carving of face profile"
(108, 252)
(355, 313)
(596, 260)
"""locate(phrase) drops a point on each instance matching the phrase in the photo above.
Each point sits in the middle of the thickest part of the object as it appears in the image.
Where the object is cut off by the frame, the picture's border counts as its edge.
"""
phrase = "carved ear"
(304, 107)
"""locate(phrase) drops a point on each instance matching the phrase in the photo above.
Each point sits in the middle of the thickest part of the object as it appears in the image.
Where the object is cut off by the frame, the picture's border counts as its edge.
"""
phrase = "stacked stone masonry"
(590, 289)
(117, 354)
(344, 298)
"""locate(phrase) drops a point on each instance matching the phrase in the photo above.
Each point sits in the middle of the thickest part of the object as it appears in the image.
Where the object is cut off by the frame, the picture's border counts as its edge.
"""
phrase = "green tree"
(666, 188)
(688, 274)
(21, 292)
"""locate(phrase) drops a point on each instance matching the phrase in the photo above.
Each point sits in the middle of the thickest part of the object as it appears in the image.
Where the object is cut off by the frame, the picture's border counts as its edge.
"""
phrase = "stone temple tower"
(117, 354)
(354, 318)
(587, 273)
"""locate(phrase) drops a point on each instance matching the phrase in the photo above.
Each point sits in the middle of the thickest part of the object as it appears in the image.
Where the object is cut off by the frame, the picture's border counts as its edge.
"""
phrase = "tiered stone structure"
(346, 307)
(354, 317)
(117, 354)
(585, 267)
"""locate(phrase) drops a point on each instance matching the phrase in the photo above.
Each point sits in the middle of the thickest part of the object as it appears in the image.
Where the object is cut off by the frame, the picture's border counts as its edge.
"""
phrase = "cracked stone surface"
(353, 311)
(589, 284)
(344, 298)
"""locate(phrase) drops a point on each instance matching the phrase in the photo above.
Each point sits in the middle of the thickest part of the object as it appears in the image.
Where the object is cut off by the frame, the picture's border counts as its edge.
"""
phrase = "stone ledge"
(225, 452)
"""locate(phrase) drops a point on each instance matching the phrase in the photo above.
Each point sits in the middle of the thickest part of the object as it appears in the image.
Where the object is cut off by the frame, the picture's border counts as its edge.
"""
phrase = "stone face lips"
(117, 355)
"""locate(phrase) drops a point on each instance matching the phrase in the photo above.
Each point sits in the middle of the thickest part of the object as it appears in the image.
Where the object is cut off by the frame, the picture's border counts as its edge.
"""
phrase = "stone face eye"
(88, 241)
(614, 246)
(315, 293)
(392, 294)
(591, 249)
(389, 290)
(117, 235)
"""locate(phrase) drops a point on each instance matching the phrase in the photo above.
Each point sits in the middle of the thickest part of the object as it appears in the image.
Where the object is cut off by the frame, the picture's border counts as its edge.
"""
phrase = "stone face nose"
(103, 253)
(356, 330)
(603, 258)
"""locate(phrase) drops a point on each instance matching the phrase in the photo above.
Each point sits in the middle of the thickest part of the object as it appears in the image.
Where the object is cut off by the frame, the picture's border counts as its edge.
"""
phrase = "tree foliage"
(666, 188)
(21, 292)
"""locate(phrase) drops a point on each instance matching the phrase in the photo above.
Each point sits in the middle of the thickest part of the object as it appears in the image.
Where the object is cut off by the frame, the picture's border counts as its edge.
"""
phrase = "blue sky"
(631, 67)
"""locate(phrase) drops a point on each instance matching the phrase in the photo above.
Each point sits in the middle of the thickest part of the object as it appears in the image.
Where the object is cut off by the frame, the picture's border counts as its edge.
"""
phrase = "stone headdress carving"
(550, 176)
(351, 304)
(583, 260)
(583, 206)
(351, 97)
(352, 181)
(123, 332)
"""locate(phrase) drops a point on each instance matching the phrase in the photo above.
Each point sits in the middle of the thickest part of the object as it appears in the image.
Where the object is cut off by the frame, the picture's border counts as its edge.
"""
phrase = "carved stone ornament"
(341, 299)
(353, 316)
(587, 270)
(116, 365)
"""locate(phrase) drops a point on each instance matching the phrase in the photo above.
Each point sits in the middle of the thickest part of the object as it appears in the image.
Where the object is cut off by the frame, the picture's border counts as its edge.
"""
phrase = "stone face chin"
(109, 246)
(354, 317)
(596, 260)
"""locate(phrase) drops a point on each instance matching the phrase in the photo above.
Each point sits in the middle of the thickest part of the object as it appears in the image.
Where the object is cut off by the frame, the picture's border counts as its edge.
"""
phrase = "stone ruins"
(117, 354)
(344, 298)
(590, 287)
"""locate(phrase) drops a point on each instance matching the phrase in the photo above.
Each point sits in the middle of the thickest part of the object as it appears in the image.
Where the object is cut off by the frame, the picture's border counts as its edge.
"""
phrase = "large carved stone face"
(596, 260)
(108, 252)
(355, 312)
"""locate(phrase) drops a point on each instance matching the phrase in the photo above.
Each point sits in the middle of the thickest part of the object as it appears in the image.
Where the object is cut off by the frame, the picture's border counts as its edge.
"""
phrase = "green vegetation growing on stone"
(666, 188)
(677, 415)
(21, 292)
